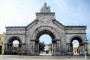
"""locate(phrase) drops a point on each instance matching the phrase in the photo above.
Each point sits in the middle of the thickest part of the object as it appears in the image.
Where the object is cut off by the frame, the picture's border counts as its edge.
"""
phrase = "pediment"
(33, 23)
(58, 23)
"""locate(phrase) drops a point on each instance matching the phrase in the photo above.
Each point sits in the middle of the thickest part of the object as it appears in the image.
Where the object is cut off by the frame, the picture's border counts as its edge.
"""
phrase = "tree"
(41, 46)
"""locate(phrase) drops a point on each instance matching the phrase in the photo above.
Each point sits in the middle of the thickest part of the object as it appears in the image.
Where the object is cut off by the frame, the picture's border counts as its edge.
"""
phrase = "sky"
(22, 12)
(45, 39)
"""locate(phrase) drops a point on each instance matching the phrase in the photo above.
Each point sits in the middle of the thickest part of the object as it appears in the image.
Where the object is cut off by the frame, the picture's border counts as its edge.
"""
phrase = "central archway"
(52, 32)
(47, 46)
(35, 43)
(45, 32)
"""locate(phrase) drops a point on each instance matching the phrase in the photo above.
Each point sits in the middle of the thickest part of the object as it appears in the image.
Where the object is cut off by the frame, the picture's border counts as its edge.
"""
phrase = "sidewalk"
(19, 57)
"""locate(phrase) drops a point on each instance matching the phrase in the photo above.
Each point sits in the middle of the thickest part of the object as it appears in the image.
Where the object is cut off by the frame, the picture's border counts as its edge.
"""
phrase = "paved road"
(18, 57)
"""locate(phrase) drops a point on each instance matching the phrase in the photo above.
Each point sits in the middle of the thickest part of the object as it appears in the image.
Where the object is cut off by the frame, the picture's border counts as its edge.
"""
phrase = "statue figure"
(45, 8)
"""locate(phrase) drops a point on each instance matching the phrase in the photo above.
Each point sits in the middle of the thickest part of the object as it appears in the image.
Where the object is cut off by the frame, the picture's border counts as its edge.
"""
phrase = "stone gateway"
(45, 23)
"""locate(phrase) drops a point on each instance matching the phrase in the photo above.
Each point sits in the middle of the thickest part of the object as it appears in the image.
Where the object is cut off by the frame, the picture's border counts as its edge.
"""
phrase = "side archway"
(12, 38)
(78, 38)
(14, 45)
(77, 48)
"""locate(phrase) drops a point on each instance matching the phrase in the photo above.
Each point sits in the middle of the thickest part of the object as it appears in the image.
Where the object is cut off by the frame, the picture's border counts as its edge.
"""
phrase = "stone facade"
(45, 23)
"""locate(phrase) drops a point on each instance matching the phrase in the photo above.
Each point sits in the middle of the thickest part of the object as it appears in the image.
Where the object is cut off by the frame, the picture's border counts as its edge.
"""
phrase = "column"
(22, 47)
(52, 47)
(9, 48)
(5, 51)
(33, 47)
(55, 45)
(36, 48)
(80, 49)
(58, 47)
(68, 47)
(71, 48)
(83, 48)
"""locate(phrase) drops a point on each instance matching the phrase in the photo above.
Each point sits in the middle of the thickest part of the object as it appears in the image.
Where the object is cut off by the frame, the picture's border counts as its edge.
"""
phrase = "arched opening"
(46, 37)
(14, 45)
(45, 44)
(75, 46)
